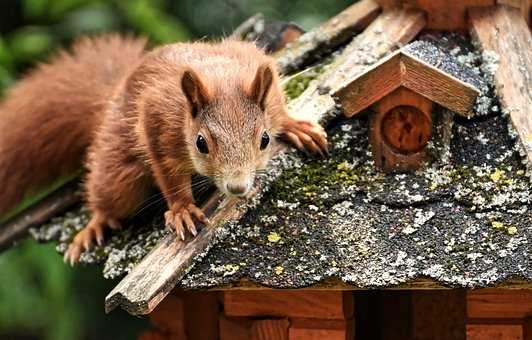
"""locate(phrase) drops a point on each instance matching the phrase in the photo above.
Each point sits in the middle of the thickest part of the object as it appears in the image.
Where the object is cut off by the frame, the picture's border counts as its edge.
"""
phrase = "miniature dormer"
(402, 91)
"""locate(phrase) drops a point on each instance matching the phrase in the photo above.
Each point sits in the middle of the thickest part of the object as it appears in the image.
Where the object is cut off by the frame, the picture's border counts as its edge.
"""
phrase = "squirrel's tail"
(47, 120)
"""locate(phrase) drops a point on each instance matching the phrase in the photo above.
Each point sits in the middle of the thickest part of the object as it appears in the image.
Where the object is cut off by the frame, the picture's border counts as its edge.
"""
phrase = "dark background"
(40, 297)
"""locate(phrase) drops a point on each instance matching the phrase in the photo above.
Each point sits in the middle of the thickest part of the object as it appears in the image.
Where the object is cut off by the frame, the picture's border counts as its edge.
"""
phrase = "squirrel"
(141, 120)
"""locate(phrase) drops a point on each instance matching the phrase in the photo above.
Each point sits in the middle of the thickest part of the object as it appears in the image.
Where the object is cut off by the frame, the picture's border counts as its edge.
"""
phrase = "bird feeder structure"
(402, 90)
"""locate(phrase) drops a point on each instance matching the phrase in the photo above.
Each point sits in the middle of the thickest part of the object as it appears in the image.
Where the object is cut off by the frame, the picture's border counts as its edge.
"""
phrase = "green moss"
(296, 84)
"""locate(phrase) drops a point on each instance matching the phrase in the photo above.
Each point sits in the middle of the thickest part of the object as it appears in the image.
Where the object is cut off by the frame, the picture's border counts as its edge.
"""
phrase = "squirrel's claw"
(84, 240)
(180, 218)
(306, 136)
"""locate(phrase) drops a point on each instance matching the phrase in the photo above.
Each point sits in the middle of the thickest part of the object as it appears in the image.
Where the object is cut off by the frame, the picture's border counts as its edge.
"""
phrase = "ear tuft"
(261, 85)
(196, 93)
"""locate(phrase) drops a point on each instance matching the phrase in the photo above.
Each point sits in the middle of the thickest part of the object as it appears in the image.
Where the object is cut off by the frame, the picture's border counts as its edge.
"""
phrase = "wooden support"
(318, 329)
(156, 275)
(270, 329)
(441, 14)
(495, 332)
(35, 215)
(202, 312)
(290, 303)
(497, 303)
(328, 35)
(169, 317)
(524, 6)
(434, 315)
(503, 30)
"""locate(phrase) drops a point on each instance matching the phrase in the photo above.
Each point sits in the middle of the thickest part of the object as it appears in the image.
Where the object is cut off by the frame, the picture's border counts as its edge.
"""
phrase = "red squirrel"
(144, 120)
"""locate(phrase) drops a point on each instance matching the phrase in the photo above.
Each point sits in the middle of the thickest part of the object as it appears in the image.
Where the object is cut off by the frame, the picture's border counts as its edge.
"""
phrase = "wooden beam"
(156, 275)
(494, 332)
(289, 303)
(318, 329)
(334, 283)
(503, 30)
(16, 227)
(494, 303)
(328, 35)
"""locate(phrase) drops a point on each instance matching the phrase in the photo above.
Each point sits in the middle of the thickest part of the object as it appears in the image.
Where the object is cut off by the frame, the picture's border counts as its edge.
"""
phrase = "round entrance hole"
(406, 129)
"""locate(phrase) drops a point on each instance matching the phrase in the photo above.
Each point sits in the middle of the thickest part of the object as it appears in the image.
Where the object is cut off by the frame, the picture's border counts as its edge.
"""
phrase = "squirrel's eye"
(264, 141)
(201, 144)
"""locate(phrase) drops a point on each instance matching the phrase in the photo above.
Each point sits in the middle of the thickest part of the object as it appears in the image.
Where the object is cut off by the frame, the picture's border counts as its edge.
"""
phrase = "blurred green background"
(40, 297)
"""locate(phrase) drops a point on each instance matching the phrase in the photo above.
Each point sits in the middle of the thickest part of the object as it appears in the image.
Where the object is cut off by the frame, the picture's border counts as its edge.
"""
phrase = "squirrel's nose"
(237, 189)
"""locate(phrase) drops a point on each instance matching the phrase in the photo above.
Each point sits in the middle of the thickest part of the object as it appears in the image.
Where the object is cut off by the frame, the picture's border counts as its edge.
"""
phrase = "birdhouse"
(402, 90)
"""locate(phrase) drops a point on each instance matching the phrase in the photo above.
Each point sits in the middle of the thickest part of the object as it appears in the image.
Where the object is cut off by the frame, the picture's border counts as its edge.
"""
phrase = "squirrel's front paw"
(84, 240)
(181, 216)
(306, 136)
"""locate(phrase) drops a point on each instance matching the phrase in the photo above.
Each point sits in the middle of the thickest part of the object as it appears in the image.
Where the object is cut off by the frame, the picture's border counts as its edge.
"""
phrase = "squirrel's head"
(231, 136)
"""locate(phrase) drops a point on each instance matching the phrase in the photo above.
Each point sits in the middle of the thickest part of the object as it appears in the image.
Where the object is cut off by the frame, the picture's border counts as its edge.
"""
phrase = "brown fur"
(139, 116)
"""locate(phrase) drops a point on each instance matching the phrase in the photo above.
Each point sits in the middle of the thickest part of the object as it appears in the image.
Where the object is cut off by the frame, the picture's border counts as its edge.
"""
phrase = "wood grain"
(328, 35)
(270, 329)
(503, 30)
(493, 303)
(149, 282)
(495, 332)
(318, 329)
(290, 303)
(441, 14)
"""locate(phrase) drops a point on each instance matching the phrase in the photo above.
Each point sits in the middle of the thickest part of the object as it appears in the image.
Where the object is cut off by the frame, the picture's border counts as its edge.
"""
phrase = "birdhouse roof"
(421, 67)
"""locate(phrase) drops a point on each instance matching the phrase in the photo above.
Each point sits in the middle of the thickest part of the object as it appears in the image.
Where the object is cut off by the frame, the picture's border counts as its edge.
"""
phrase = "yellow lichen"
(279, 270)
(274, 237)
(497, 225)
(511, 230)
(497, 175)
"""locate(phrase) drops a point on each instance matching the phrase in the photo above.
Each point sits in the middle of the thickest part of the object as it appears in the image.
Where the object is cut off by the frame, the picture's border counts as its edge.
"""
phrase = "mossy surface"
(463, 219)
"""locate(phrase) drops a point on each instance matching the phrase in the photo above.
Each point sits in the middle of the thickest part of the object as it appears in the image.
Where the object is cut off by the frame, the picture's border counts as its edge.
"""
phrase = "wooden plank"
(318, 329)
(439, 315)
(503, 30)
(35, 215)
(495, 332)
(169, 316)
(494, 303)
(335, 283)
(235, 328)
(374, 84)
(441, 14)
(393, 28)
(270, 329)
(328, 35)
(289, 303)
(202, 312)
(438, 86)
(524, 6)
(149, 282)
(527, 328)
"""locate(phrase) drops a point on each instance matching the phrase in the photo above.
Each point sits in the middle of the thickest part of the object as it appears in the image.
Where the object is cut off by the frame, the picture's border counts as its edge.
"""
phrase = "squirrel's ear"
(261, 84)
(195, 91)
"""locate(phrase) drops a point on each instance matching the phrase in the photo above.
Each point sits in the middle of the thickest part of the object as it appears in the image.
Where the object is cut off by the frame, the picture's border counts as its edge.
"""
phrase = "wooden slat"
(147, 284)
(495, 332)
(202, 312)
(235, 328)
(270, 329)
(328, 35)
(319, 329)
(495, 303)
(289, 303)
(169, 316)
(524, 6)
(17, 227)
(438, 86)
(442, 14)
(503, 30)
